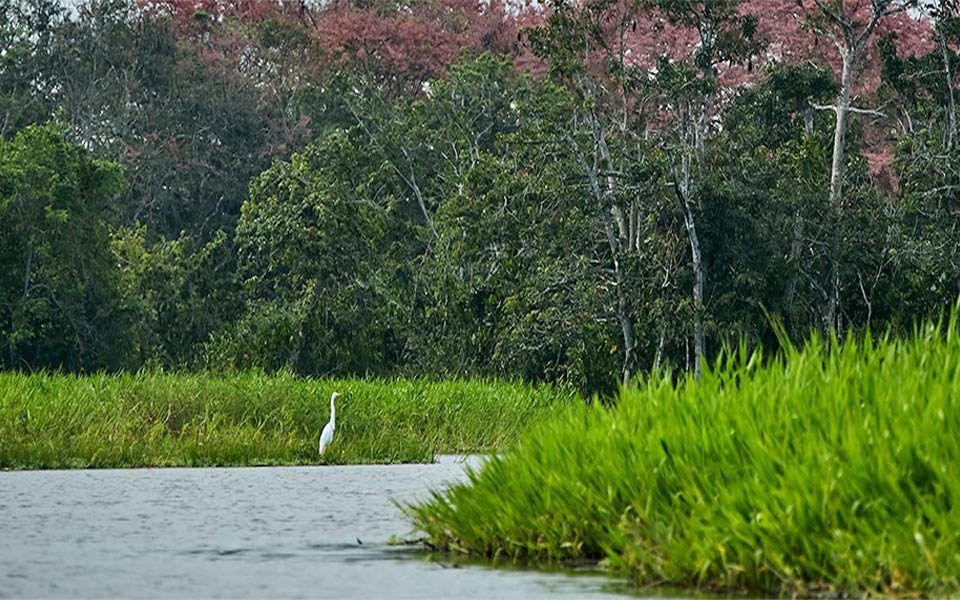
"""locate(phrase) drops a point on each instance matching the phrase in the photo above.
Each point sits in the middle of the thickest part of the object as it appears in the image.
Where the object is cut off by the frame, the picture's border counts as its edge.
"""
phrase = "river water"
(241, 532)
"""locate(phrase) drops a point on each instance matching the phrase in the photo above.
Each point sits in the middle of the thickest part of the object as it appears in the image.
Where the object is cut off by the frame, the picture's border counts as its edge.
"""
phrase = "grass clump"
(149, 419)
(833, 470)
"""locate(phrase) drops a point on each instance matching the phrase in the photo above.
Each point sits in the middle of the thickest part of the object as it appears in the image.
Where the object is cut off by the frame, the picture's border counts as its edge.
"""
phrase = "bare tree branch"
(853, 109)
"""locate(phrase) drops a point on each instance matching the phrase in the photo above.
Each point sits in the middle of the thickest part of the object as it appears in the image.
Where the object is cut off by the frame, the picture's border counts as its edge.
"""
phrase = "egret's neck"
(333, 412)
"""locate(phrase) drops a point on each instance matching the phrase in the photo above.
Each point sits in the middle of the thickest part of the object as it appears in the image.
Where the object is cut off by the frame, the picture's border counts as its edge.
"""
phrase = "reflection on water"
(249, 532)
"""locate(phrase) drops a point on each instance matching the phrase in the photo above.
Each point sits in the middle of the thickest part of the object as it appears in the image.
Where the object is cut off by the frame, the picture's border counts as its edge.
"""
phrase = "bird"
(326, 436)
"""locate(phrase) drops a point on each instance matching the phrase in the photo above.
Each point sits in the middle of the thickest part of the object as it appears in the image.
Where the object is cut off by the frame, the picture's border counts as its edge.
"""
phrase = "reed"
(833, 470)
(150, 419)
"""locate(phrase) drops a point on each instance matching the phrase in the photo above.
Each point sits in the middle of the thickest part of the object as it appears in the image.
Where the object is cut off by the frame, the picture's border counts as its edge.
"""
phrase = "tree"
(581, 43)
(515, 267)
(309, 269)
(58, 299)
(177, 292)
(26, 30)
(191, 132)
(924, 90)
(404, 46)
(850, 28)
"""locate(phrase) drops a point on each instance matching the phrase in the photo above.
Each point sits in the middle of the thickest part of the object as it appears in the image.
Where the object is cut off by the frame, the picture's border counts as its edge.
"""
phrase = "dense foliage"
(578, 191)
(56, 272)
(829, 471)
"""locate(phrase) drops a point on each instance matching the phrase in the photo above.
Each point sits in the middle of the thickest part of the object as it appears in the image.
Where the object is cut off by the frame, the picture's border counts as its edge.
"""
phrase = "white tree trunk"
(681, 184)
(835, 205)
(951, 105)
(699, 339)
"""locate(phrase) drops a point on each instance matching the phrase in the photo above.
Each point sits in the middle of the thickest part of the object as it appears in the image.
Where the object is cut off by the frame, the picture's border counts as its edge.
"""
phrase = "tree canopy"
(580, 191)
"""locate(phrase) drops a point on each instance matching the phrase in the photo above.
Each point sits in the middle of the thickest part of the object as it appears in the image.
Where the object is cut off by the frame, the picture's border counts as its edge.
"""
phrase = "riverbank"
(162, 420)
(828, 471)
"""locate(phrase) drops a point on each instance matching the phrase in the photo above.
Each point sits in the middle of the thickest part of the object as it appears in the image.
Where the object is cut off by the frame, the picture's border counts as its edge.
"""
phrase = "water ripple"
(282, 532)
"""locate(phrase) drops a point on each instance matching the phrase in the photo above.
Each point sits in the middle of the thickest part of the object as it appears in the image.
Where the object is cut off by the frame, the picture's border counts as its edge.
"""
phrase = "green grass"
(832, 470)
(59, 421)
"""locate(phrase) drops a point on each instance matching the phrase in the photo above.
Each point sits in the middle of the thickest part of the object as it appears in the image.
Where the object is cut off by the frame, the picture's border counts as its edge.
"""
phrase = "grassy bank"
(829, 471)
(55, 421)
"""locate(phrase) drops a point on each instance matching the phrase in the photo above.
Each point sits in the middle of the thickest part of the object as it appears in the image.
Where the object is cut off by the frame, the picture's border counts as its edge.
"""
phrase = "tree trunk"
(699, 343)
(835, 207)
(626, 326)
(951, 101)
(661, 346)
(423, 207)
(662, 342)
(617, 239)
(606, 163)
(796, 246)
(27, 271)
(681, 185)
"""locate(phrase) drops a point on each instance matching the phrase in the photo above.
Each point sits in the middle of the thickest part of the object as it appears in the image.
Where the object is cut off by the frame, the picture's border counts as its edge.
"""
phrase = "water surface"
(241, 532)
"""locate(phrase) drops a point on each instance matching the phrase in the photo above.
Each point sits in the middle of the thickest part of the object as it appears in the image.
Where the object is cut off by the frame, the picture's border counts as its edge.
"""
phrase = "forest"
(578, 192)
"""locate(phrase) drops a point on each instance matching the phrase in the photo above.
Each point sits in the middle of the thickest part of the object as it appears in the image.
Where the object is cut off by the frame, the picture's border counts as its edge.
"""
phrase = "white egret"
(326, 436)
